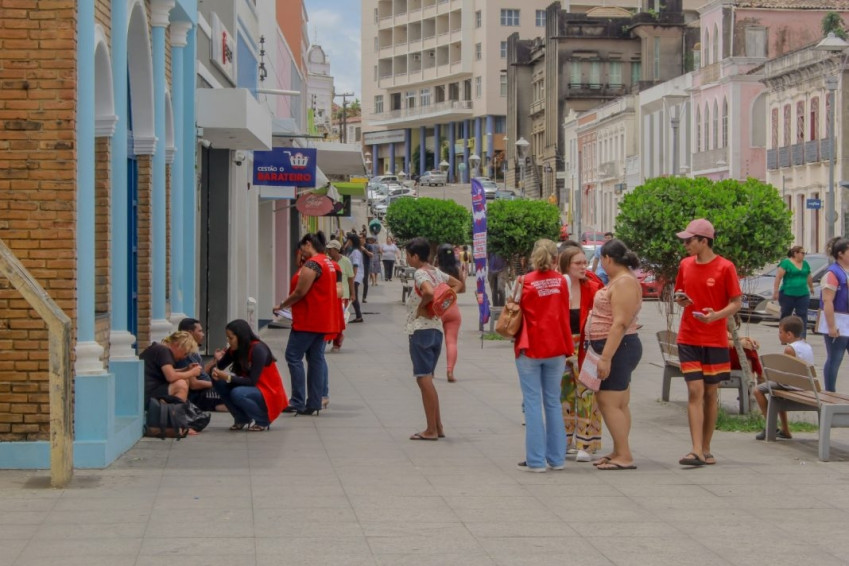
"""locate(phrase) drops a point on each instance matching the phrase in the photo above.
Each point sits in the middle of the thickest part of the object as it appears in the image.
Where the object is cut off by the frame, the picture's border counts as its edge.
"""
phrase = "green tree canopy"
(833, 23)
(752, 222)
(514, 226)
(440, 221)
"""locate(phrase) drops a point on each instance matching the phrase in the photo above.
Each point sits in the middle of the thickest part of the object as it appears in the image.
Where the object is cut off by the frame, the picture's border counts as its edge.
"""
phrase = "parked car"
(758, 289)
(433, 178)
(505, 194)
(379, 207)
(402, 191)
(652, 285)
(489, 187)
(380, 190)
(383, 180)
(590, 241)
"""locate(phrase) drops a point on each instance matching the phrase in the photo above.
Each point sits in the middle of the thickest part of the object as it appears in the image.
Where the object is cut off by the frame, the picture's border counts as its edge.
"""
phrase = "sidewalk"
(349, 488)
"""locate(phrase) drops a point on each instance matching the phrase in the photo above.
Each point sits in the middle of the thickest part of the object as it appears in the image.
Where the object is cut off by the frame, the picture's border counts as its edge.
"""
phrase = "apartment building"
(434, 77)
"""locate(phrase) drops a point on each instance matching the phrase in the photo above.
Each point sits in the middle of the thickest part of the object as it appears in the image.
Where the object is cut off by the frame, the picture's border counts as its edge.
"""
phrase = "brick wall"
(37, 196)
(145, 250)
(102, 242)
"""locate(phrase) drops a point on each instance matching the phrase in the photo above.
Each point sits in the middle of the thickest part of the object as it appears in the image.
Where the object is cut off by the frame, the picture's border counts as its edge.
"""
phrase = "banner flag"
(479, 247)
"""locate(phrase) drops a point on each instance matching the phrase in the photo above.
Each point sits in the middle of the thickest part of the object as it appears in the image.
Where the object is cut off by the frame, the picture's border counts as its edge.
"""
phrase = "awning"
(350, 189)
(232, 118)
(340, 159)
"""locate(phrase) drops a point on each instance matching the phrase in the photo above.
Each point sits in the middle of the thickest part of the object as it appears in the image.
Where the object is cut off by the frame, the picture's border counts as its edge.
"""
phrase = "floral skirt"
(580, 410)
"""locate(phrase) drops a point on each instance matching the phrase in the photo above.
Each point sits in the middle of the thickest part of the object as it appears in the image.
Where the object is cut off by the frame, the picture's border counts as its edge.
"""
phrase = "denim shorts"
(623, 363)
(425, 347)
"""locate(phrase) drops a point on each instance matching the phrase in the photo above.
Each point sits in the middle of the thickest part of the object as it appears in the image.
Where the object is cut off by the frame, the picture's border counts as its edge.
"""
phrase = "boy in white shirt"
(790, 334)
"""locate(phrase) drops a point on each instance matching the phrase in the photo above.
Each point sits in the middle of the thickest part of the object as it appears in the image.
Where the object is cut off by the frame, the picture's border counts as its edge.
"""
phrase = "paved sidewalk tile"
(350, 488)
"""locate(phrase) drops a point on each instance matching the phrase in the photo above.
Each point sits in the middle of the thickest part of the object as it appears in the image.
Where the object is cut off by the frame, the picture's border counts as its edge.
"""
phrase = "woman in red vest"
(253, 390)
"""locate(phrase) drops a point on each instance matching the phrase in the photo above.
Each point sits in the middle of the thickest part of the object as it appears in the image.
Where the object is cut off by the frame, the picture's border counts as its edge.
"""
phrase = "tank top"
(601, 318)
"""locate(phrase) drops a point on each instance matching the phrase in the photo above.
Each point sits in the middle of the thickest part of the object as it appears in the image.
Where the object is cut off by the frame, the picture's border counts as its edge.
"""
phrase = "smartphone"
(679, 295)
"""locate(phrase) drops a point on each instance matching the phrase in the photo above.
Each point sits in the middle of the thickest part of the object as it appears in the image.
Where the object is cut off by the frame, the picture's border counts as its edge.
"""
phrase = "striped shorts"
(707, 363)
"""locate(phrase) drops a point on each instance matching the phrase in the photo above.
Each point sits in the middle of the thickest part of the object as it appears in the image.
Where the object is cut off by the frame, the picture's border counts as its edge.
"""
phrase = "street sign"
(813, 203)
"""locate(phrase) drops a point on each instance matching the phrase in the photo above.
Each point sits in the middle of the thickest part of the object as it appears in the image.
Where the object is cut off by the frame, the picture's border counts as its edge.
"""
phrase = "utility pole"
(343, 135)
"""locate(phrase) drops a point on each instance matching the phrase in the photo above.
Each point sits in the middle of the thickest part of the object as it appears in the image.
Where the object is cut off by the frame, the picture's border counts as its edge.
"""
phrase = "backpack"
(443, 297)
(166, 419)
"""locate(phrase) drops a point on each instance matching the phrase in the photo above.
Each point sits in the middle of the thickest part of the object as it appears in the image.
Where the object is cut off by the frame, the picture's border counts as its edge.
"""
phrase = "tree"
(439, 221)
(414, 164)
(833, 23)
(514, 226)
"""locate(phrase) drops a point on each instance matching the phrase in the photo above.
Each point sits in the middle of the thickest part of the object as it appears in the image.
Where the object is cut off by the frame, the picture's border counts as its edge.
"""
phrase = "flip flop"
(691, 460)
(613, 466)
(418, 436)
(602, 460)
(709, 459)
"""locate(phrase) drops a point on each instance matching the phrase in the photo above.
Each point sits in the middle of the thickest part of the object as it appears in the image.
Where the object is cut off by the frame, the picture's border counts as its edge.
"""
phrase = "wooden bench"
(832, 408)
(406, 276)
(667, 340)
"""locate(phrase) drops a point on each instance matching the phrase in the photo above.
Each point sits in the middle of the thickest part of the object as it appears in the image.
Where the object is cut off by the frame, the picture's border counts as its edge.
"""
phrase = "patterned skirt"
(580, 410)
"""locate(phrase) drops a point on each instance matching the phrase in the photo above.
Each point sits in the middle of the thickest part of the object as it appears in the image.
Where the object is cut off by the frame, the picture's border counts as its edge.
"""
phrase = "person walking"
(835, 302)
(374, 261)
(580, 407)
(352, 246)
(389, 255)
(452, 319)
(541, 348)
(794, 285)
(253, 391)
(425, 332)
(708, 290)
(612, 331)
(315, 313)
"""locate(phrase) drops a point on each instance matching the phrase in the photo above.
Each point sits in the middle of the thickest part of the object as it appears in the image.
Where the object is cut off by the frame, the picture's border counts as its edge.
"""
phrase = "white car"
(433, 178)
(383, 180)
(489, 188)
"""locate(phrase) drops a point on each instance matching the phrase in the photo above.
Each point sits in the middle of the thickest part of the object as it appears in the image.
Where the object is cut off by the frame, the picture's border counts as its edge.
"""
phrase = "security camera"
(239, 158)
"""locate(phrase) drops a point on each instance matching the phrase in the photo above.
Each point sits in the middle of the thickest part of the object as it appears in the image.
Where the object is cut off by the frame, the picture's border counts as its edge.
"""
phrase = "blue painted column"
(408, 150)
(87, 350)
(490, 149)
(159, 326)
(118, 177)
(178, 31)
(391, 169)
(422, 150)
(479, 145)
(375, 152)
(187, 154)
(451, 142)
(468, 170)
(437, 147)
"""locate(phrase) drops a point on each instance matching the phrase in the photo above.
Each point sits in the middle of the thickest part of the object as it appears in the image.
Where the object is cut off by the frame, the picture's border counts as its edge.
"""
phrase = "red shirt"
(318, 310)
(709, 285)
(545, 317)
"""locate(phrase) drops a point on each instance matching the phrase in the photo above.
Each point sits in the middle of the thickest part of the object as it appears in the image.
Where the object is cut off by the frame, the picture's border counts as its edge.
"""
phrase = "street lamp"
(443, 166)
(474, 161)
(831, 44)
(675, 121)
(521, 149)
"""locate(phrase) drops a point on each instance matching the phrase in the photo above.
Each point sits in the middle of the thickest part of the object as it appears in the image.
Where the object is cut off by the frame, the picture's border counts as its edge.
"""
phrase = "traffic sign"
(813, 203)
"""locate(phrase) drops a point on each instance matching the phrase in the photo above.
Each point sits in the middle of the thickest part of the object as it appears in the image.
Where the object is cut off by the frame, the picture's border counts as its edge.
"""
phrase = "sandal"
(709, 459)
(238, 426)
(257, 428)
(691, 459)
(450, 377)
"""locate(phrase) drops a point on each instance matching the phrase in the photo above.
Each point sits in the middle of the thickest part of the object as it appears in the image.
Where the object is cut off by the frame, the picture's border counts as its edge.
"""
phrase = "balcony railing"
(772, 159)
(710, 159)
(784, 156)
(812, 151)
(537, 106)
(825, 149)
(799, 153)
(448, 106)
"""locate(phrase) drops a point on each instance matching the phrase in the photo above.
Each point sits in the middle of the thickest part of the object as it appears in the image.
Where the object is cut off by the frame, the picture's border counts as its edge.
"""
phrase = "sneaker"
(784, 435)
(571, 450)
(525, 468)
(558, 468)
(583, 456)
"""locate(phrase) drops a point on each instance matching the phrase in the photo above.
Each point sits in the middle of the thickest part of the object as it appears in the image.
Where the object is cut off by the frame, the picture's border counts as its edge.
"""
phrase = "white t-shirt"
(388, 252)
(803, 351)
(413, 323)
(356, 258)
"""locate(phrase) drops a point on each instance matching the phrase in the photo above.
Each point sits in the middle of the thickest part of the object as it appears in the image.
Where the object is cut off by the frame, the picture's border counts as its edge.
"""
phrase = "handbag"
(588, 376)
(444, 297)
(510, 320)
(196, 419)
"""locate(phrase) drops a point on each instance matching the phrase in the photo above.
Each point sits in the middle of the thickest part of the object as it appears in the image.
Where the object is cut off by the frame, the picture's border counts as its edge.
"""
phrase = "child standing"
(790, 330)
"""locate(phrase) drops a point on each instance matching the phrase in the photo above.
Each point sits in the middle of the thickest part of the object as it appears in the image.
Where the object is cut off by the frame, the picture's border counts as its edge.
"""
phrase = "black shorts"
(623, 363)
(157, 392)
(707, 363)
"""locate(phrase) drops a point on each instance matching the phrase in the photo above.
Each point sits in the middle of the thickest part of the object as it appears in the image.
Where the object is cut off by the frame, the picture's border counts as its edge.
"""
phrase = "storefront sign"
(285, 167)
(813, 204)
(309, 204)
(223, 48)
(392, 136)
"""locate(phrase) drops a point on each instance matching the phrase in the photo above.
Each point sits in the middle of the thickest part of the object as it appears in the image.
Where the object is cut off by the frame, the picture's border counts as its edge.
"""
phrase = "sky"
(335, 25)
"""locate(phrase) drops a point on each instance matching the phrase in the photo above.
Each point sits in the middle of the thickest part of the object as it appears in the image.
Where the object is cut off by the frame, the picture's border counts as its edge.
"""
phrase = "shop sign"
(285, 167)
(309, 204)
(223, 48)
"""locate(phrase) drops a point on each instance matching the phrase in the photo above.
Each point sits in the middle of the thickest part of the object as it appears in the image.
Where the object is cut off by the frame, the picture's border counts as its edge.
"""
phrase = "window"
(636, 73)
(725, 123)
(715, 44)
(378, 104)
(786, 125)
(375, 73)
(410, 96)
(800, 122)
(376, 16)
(707, 126)
(504, 50)
(698, 130)
(615, 73)
(755, 41)
(478, 52)
(500, 124)
(774, 126)
(656, 60)
(575, 74)
(425, 98)
(478, 87)
(595, 74)
(540, 19)
(376, 44)
(510, 18)
(715, 125)
(478, 19)
(503, 88)
(815, 119)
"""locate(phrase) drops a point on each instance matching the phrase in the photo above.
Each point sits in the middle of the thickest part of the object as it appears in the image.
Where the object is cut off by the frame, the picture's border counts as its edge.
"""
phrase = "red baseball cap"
(698, 227)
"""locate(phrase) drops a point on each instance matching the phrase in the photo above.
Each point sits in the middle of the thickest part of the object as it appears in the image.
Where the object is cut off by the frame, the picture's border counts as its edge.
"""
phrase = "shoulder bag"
(588, 375)
(510, 320)
(444, 296)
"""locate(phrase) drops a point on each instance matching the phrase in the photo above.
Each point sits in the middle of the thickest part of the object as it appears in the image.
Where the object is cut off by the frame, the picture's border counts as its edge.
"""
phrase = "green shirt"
(795, 281)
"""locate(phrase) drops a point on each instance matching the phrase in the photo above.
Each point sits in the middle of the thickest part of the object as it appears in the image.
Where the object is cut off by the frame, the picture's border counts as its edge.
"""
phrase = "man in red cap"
(709, 290)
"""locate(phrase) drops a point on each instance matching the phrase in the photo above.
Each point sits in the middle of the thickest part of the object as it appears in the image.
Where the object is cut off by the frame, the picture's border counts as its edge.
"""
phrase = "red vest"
(318, 310)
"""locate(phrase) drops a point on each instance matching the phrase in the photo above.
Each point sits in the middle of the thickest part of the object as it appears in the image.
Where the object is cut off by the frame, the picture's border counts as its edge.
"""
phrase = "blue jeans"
(834, 350)
(310, 344)
(789, 304)
(545, 438)
(245, 403)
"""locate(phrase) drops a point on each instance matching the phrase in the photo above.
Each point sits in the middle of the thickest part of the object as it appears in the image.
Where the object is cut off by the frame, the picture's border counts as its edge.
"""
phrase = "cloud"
(338, 33)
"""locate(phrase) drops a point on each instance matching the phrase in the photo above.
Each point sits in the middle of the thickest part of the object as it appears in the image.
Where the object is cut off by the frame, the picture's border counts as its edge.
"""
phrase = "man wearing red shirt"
(708, 289)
